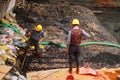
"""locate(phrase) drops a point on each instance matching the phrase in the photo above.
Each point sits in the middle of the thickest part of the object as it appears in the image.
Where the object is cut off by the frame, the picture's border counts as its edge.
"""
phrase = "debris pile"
(10, 32)
(11, 36)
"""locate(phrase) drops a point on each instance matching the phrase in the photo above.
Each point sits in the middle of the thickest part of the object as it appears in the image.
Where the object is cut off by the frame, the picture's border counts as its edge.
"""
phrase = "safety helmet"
(75, 21)
(38, 28)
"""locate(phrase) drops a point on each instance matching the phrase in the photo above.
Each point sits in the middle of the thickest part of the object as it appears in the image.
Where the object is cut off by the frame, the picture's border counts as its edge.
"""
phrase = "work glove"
(67, 49)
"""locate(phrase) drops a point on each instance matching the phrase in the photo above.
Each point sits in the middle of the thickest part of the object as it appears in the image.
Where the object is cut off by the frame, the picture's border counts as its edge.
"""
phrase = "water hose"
(100, 43)
(10, 26)
(83, 44)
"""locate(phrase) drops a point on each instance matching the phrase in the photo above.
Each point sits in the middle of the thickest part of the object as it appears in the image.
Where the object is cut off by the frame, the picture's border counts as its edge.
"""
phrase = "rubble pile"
(11, 38)
(57, 18)
(10, 31)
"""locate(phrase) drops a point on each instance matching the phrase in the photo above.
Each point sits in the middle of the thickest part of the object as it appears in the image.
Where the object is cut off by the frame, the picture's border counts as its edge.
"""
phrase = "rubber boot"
(70, 68)
(77, 68)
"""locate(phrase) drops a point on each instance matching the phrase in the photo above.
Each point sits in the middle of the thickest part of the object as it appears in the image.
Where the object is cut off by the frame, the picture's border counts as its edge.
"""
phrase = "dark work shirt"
(36, 35)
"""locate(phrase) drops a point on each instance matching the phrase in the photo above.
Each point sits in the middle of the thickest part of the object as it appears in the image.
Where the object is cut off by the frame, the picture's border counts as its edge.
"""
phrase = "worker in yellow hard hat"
(36, 35)
(75, 37)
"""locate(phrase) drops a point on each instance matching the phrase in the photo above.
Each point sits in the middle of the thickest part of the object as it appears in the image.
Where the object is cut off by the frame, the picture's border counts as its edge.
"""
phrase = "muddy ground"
(56, 20)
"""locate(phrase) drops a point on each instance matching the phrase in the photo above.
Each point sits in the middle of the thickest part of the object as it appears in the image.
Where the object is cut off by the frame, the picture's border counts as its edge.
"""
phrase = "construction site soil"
(56, 20)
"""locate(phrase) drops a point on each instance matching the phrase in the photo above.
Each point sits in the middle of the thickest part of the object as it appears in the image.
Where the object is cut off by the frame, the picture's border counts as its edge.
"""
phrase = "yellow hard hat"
(38, 28)
(75, 21)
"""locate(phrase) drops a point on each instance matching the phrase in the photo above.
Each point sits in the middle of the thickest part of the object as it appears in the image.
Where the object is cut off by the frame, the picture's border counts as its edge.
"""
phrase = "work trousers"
(35, 43)
(74, 54)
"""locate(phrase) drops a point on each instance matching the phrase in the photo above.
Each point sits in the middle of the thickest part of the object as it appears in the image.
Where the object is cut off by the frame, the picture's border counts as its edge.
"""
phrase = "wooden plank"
(4, 70)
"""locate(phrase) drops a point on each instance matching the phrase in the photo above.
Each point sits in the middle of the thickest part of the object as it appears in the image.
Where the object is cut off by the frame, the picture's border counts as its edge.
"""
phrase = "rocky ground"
(110, 19)
(56, 20)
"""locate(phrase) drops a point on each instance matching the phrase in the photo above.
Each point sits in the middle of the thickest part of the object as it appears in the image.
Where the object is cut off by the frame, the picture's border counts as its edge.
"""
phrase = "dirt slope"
(56, 19)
